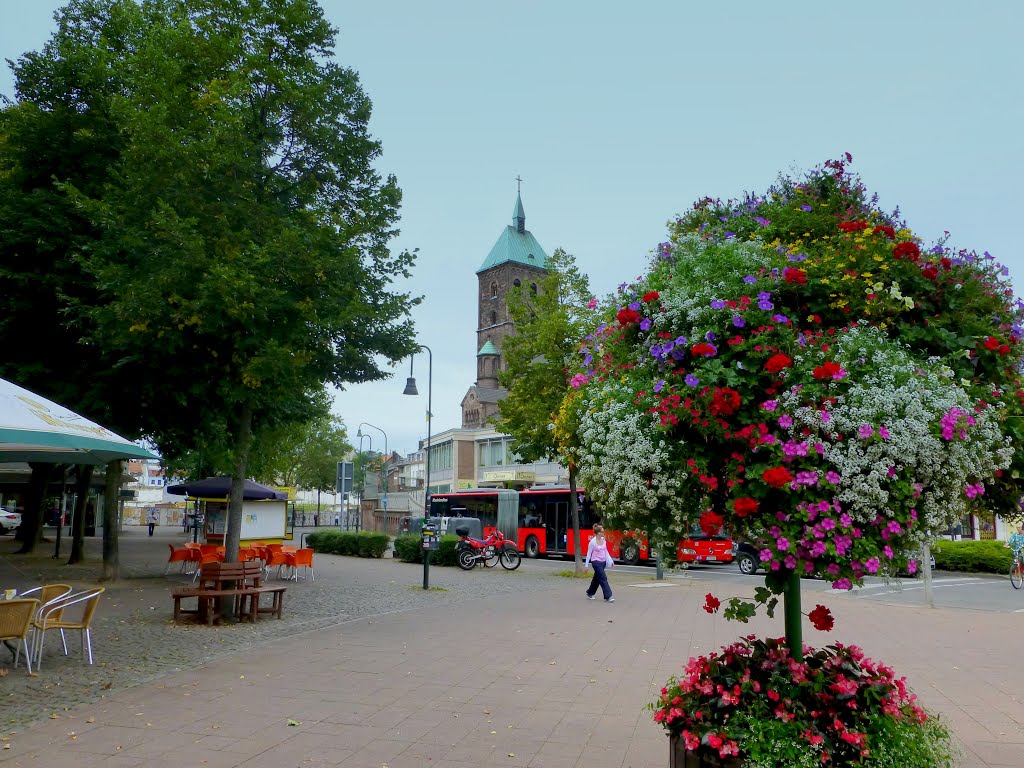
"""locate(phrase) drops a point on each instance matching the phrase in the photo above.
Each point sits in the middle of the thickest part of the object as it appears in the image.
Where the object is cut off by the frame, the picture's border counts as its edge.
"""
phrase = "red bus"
(538, 520)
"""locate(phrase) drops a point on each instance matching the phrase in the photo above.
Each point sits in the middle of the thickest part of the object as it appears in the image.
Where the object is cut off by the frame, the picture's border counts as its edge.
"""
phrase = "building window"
(516, 282)
(441, 456)
(494, 290)
(533, 288)
(494, 318)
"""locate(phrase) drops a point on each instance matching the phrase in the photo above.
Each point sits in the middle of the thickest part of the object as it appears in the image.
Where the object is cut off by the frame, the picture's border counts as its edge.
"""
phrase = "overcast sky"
(618, 116)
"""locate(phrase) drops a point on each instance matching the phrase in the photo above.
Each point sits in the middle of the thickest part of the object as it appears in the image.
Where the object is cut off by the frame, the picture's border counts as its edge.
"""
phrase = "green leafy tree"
(241, 234)
(549, 327)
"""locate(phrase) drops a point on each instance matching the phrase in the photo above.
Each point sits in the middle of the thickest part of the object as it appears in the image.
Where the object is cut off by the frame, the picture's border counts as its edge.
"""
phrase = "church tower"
(516, 259)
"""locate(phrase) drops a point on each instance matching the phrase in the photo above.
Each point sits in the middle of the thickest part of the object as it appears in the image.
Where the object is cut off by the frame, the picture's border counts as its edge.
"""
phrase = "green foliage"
(409, 549)
(352, 543)
(549, 327)
(972, 556)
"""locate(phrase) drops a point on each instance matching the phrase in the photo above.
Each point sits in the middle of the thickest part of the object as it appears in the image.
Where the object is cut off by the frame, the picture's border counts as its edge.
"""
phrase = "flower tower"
(799, 367)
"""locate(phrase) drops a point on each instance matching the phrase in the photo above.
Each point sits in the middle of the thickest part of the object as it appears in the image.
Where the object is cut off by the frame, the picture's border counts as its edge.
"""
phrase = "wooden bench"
(217, 580)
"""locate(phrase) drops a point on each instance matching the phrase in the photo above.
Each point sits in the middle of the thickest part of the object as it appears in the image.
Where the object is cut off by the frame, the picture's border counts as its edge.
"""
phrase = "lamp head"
(410, 386)
(359, 432)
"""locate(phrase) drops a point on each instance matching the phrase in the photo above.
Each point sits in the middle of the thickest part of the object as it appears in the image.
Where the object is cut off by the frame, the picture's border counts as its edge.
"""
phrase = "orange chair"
(300, 558)
(185, 555)
(207, 557)
(275, 557)
(245, 554)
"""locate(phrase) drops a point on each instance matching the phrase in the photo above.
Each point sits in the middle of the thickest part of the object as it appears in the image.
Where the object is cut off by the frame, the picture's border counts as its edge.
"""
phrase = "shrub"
(352, 543)
(972, 556)
(409, 549)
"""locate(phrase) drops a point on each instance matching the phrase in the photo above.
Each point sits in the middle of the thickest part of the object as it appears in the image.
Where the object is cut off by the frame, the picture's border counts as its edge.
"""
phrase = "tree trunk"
(574, 511)
(78, 522)
(111, 522)
(243, 442)
(31, 528)
(233, 529)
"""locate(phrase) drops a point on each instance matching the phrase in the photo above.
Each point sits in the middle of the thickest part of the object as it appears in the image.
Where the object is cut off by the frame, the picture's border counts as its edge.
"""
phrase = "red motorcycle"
(490, 551)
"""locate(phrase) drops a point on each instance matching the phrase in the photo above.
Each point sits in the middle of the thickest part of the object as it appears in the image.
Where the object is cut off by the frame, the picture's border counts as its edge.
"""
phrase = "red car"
(701, 548)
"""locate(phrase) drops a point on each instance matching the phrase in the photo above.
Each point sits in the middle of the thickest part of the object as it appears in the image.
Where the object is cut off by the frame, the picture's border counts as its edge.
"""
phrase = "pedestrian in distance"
(151, 519)
(599, 559)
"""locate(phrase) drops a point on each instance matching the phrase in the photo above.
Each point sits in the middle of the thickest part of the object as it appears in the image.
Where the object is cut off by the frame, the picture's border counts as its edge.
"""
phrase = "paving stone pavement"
(508, 669)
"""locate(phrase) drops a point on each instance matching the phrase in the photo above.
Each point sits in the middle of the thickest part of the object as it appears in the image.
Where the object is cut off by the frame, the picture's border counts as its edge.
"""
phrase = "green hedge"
(972, 556)
(408, 547)
(354, 543)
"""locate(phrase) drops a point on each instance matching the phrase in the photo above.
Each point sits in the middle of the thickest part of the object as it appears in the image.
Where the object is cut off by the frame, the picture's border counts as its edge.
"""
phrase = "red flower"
(906, 250)
(794, 275)
(777, 362)
(827, 370)
(627, 316)
(744, 506)
(703, 349)
(711, 603)
(887, 231)
(777, 477)
(853, 226)
(651, 296)
(930, 272)
(725, 401)
(821, 618)
(711, 523)
(991, 342)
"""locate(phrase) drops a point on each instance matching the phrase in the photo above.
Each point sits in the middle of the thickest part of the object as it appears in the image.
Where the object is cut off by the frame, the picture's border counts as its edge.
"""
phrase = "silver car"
(9, 521)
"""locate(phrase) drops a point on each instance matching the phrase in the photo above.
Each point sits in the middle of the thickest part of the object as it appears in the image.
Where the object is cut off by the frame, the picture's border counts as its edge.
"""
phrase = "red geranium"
(711, 603)
(711, 523)
(703, 349)
(886, 230)
(853, 226)
(744, 506)
(725, 401)
(794, 275)
(991, 342)
(777, 477)
(930, 272)
(821, 618)
(777, 362)
(651, 296)
(627, 316)
(827, 370)
(906, 250)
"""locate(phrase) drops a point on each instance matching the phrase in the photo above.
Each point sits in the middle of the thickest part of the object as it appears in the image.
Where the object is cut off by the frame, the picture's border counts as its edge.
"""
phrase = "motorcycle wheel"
(510, 559)
(466, 560)
(490, 562)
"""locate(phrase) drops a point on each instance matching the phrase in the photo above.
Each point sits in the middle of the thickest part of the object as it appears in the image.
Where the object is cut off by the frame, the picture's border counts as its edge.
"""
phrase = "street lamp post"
(384, 464)
(410, 389)
(362, 466)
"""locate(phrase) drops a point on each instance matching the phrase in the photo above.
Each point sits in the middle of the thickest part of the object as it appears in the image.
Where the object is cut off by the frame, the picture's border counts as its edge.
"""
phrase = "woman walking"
(597, 556)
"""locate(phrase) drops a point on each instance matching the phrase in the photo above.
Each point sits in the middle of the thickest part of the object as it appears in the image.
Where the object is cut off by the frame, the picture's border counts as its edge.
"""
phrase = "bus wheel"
(629, 552)
(532, 547)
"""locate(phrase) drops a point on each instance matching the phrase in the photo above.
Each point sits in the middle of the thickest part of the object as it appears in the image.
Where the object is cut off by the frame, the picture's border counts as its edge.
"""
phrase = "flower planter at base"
(678, 757)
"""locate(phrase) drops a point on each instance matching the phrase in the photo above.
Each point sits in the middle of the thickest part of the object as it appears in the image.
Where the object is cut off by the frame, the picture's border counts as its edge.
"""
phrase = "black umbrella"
(220, 487)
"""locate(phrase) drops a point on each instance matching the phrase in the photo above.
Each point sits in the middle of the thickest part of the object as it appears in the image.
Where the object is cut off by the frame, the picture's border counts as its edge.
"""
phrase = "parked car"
(701, 548)
(748, 558)
(9, 521)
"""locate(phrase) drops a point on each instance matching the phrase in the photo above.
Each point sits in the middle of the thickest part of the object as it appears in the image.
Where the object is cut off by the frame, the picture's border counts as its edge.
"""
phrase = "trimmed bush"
(972, 556)
(352, 543)
(408, 548)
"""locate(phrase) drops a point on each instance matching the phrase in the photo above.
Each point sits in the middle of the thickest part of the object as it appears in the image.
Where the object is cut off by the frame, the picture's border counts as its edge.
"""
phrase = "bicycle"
(1017, 569)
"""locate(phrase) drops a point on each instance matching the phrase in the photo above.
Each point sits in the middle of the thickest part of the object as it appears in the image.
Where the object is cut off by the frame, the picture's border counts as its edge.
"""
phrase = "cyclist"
(1016, 541)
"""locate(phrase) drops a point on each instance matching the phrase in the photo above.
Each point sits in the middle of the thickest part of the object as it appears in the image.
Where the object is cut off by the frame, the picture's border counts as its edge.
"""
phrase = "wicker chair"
(16, 622)
(47, 594)
(88, 599)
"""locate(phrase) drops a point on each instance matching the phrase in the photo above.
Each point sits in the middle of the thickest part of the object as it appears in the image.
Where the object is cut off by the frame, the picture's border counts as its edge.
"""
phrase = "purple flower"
(729, 234)
(635, 306)
(717, 304)
(780, 319)
(659, 385)
(762, 221)
(763, 296)
(710, 336)
(645, 324)
(798, 257)
(738, 321)
(681, 340)
(749, 279)
(692, 380)
(765, 305)
(892, 471)
(805, 207)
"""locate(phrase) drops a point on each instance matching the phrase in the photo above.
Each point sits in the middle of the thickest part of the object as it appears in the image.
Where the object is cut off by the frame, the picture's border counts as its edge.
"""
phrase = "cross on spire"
(519, 185)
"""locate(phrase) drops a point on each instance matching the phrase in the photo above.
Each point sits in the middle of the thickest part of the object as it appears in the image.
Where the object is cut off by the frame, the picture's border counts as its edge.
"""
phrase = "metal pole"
(793, 617)
(426, 479)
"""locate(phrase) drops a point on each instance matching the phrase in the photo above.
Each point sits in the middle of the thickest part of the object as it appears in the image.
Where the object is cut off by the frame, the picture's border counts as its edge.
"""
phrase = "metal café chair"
(51, 616)
(16, 623)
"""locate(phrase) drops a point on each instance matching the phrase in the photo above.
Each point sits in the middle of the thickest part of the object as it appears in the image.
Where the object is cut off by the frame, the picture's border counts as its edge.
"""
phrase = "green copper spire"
(519, 216)
(516, 243)
(487, 349)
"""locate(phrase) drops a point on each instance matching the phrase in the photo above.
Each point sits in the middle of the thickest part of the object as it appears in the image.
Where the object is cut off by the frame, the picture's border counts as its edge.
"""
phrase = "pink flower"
(883, 432)
(592, 304)
(865, 431)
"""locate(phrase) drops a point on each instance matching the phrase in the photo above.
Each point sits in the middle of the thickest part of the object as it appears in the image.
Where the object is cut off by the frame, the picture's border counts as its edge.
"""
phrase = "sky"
(619, 116)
